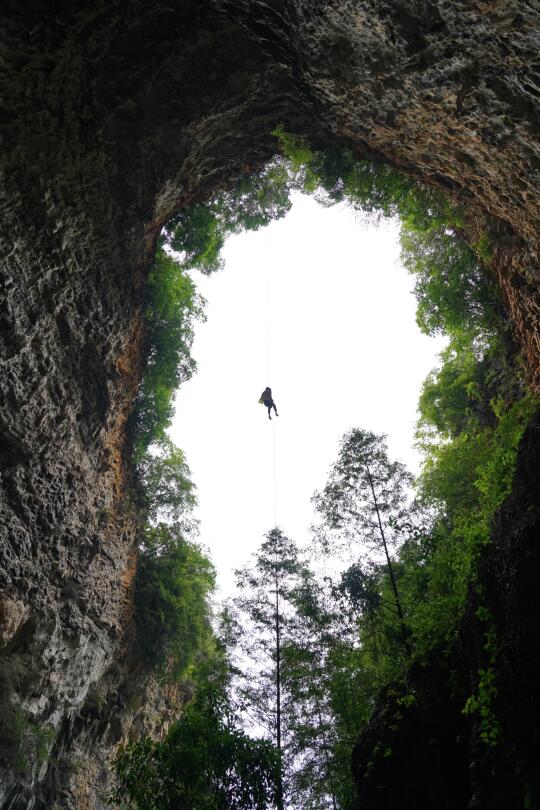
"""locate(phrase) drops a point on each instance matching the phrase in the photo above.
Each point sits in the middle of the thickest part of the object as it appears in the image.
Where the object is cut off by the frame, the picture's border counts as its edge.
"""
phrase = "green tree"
(172, 308)
(264, 607)
(172, 588)
(325, 683)
(206, 762)
(464, 481)
(452, 287)
(299, 674)
(198, 233)
(174, 576)
(164, 476)
(366, 504)
(371, 186)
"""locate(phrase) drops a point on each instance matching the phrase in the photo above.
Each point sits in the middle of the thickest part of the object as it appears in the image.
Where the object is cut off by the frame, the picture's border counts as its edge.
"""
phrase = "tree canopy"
(206, 762)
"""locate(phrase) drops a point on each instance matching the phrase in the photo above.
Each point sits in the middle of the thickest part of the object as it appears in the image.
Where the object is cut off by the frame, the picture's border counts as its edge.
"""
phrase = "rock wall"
(116, 114)
(428, 753)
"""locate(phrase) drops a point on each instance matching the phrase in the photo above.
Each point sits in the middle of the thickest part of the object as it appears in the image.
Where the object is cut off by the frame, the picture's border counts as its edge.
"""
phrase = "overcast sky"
(343, 351)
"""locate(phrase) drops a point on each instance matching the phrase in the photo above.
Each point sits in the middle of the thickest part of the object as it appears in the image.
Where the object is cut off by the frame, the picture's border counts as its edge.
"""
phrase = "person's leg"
(275, 409)
(269, 406)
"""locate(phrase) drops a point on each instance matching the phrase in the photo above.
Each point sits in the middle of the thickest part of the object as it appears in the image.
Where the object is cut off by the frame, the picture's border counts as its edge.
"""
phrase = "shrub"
(169, 493)
(206, 762)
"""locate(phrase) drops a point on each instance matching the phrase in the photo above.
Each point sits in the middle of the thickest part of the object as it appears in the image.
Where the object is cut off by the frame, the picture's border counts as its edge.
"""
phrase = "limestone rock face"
(12, 615)
(116, 114)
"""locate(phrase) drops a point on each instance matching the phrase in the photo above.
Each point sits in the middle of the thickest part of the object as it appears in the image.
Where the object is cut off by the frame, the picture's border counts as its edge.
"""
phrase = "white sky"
(344, 351)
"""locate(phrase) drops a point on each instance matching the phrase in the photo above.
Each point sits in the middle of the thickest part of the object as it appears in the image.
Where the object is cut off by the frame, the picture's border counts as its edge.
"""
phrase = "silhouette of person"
(268, 402)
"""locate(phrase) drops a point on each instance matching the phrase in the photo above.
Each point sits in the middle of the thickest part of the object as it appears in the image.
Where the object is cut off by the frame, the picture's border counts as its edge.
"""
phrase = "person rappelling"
(267, 400)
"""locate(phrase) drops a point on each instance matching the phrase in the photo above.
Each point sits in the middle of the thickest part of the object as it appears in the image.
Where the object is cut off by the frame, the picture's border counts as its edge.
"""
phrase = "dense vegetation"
(313, 648)
(172, 308)
(206, 762)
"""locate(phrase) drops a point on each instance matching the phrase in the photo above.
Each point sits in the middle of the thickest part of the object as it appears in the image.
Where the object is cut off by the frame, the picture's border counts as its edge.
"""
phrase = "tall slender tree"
(365, 505)
(265, 607)
(299, 673)
(318, 634)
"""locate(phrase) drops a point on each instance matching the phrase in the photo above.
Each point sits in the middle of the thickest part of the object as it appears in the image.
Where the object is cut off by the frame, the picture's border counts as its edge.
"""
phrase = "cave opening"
(405, 602)
(327, 290)
(474, 409)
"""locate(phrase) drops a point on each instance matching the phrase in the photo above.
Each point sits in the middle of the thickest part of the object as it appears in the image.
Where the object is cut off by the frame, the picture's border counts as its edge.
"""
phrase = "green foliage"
(347, 642)
(455, 398)
(206, 762)
(264, 605)
(174, 580)
(495, 475)
(169, 493)
(13, 719)
(454, 294)
(372, 187)
(366, 494)
(410, 565)
(198, 233)
(330, 691)
(366, 505)
(12, 671)
(172, 308)
(174, 576)
(289, 625)
(465, 480)
(482, 703)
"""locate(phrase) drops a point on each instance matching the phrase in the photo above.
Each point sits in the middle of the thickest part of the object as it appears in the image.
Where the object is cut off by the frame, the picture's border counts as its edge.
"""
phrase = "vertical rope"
(268, 337)
(267, 313)
(275, 471)
(279, 797)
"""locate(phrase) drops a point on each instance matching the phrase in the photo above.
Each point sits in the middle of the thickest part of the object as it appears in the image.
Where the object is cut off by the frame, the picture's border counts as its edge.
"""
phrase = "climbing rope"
(274, 443)
(268, 341)
(267, 323)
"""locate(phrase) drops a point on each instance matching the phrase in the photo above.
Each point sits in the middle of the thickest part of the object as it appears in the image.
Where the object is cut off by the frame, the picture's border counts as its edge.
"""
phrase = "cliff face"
(427, 753)
(117, 114)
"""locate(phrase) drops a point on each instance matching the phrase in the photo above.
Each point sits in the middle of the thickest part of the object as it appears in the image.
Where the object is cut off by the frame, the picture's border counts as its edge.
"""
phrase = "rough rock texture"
(428, 754)
(116, 114)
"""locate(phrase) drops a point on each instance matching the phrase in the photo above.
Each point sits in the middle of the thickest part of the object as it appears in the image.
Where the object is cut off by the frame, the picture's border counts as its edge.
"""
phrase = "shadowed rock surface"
(427, 753)
(117, 114)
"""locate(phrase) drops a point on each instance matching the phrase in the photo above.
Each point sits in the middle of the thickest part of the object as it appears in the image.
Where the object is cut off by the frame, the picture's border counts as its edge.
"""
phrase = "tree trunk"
(390, 568)
(279, 797)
